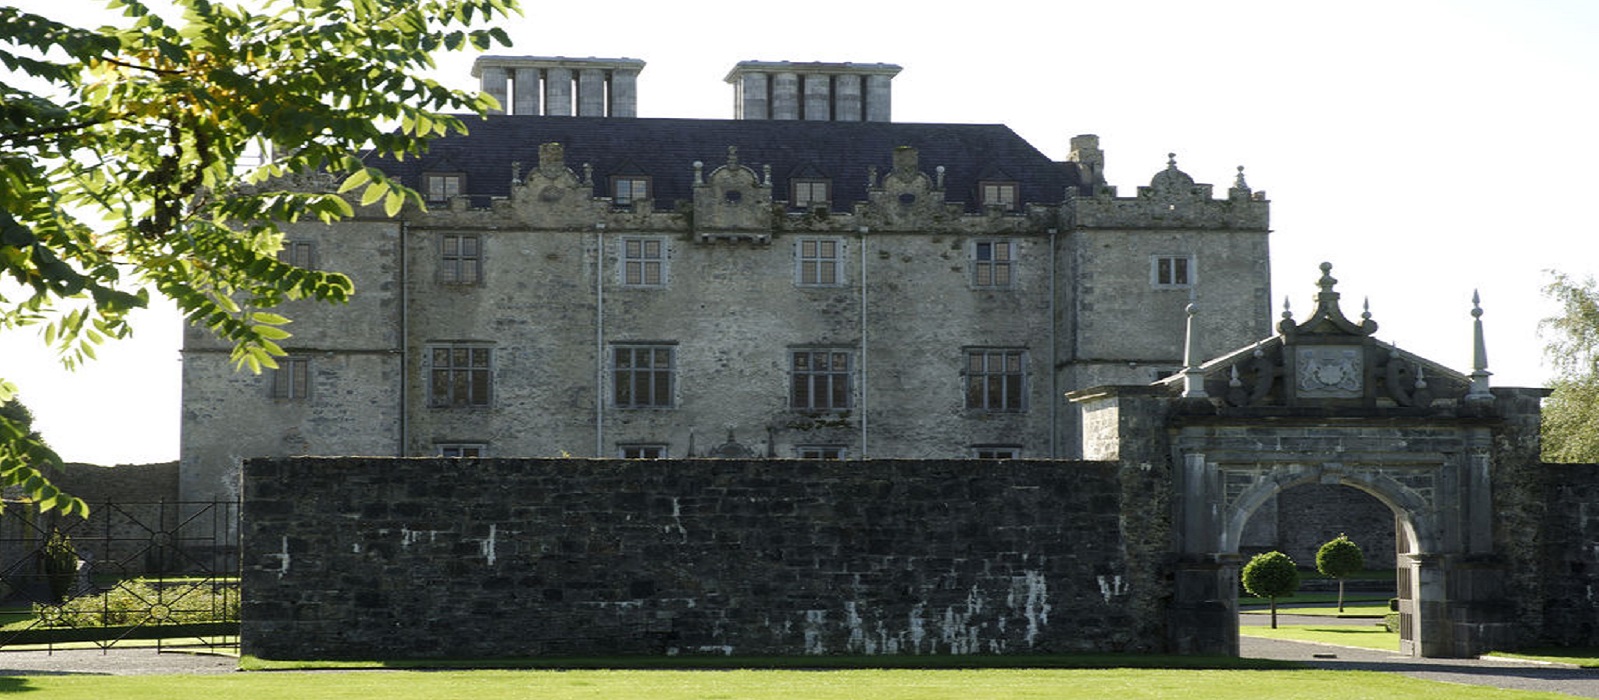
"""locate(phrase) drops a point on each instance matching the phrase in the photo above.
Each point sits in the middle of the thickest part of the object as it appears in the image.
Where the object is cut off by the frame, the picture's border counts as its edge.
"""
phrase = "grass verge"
(1365, 636)
(879, 684)
(1376, 611)
(1585, 657)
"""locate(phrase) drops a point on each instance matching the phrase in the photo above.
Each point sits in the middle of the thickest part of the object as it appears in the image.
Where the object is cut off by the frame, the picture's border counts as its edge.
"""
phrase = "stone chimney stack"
(842, 92)
(557, 86)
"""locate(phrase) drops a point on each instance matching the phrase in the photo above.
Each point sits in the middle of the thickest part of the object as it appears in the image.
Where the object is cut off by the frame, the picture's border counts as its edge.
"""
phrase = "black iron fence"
(163, 573)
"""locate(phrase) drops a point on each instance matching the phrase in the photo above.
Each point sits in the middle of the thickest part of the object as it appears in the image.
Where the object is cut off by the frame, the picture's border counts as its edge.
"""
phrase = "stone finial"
(732, 157)
(939, 173)
(699, 172)
(588, 173)
(516, 172)
(1238, 182)
(906, 161)
(1479, 390)
(1365, 309)
(871, 177)
(766, 175)
(1171, 161)
(1193, 378)
(552, 159)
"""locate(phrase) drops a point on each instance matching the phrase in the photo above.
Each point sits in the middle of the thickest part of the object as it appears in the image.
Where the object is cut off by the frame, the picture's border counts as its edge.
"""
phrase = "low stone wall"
(1571, 555)
(387, 558)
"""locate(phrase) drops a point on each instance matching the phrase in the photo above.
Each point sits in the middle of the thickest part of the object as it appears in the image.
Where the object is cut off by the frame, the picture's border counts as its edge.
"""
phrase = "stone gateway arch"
(1325, 402)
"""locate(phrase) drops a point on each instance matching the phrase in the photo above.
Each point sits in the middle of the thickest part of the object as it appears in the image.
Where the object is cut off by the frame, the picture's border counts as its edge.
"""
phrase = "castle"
(807, 280)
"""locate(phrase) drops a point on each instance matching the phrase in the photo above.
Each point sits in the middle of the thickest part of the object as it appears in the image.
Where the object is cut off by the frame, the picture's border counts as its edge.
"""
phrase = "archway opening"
(1297, 520)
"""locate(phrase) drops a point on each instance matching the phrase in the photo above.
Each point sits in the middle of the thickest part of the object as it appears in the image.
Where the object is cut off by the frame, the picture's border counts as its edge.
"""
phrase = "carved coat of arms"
(1331, 372)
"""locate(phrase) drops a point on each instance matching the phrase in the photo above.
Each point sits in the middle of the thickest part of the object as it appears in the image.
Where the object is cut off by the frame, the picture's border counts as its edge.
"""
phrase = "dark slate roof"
(665, 149)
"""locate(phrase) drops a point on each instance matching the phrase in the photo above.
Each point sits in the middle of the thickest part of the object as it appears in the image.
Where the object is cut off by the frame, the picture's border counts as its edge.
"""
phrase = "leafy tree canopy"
(1571, 413)
(1271, 575)
(1340, 557)
(164, 154)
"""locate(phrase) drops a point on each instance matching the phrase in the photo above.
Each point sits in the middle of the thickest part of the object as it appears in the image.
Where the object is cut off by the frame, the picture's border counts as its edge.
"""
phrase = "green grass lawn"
(1367, 636)
(1317, 598)
(1124, 684)
(1366, 610)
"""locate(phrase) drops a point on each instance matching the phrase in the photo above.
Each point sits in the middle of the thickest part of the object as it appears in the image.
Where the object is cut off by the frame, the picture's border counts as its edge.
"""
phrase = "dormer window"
(441, 187)
(627, 190)
(998, 194)
(811, 193)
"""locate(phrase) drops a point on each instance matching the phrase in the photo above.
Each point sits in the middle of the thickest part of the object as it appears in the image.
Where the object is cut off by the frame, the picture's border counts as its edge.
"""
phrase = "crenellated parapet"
(1172, 200)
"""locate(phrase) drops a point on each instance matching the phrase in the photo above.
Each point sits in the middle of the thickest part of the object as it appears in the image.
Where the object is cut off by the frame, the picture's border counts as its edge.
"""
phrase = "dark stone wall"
(1571, 555)
(387, 558)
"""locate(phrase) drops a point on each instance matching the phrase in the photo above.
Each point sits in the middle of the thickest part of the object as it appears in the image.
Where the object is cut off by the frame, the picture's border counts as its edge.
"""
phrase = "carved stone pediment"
(1332, 362)
(733, 198)
(551, 195)
(906, 198)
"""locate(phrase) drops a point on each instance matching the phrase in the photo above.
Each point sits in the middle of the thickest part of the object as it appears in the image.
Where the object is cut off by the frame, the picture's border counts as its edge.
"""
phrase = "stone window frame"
(291, 381)
(462, 450)
(812, 265)
(465, 379)
(461, 259)
(642, 262)
(825, 388)
(820, 452)
(809, 192)
(1173, 271)
(1004, 194)
(627, 189)
(990, 369)
(299, 253)
(441, 187)
(641, 450)
(996, 451)
(657, 375)
(993, 263)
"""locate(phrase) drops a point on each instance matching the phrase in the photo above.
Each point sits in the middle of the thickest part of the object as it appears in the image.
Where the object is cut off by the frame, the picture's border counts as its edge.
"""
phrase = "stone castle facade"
(811, 280)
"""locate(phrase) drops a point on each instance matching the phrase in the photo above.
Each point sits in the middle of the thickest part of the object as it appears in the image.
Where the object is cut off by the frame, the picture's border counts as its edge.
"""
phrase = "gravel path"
(1502, 673)
(113, 662)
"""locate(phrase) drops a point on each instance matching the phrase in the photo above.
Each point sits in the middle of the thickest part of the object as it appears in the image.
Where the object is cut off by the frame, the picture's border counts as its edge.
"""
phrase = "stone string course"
(386, 558)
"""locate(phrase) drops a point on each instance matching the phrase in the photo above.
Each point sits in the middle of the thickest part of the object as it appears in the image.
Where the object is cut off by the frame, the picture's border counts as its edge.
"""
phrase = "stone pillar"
(753, 102)
(818, 98)
(527, 91)
(878, 94)
(1204, 606)
(624, 93)
(558, 92)
(785, 96)
(493, 82)
(591, 92)
(847, 98)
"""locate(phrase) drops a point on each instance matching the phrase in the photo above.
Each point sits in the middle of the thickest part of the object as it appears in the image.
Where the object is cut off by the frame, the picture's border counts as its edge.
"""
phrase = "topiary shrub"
(1271, 575)
(1339, 558)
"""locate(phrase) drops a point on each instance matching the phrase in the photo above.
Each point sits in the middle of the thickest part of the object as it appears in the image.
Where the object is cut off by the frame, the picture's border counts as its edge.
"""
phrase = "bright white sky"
(1426, 148)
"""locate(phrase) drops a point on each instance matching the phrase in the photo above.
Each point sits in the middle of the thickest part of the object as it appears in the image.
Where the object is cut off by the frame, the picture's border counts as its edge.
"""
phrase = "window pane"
(828, 274)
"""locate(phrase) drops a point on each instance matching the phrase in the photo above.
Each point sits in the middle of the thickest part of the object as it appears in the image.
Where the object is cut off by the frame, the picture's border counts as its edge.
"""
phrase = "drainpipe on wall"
(864, 404)
(404, 340)
(1054, 352)
(599, 339)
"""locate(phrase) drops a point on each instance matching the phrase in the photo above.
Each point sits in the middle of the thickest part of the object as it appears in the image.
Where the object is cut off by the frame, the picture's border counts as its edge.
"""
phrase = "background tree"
(1571, 413)
(1339, 558)
(165, 154)
(1271, 575)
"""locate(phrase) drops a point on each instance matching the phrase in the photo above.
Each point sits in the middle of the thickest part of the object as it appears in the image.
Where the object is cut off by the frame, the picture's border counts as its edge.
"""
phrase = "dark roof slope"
(665, 149)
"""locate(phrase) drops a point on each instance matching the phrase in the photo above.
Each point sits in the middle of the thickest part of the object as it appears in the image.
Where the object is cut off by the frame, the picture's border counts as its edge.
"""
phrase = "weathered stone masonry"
(363, 558)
